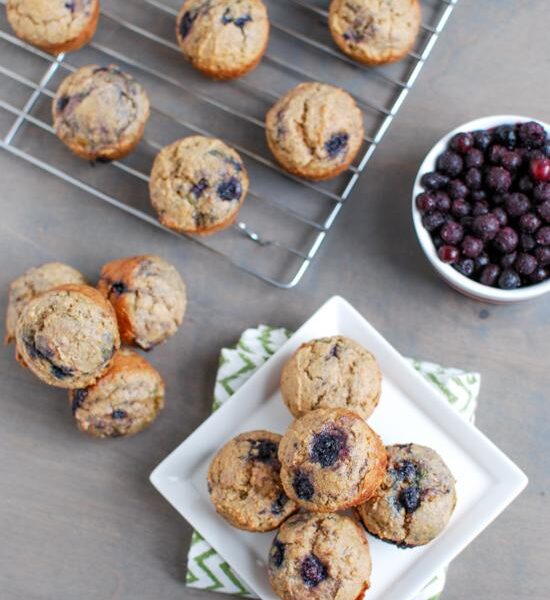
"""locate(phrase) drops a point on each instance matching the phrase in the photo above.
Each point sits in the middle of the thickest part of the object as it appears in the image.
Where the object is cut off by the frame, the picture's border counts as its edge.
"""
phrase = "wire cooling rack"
(285, 219)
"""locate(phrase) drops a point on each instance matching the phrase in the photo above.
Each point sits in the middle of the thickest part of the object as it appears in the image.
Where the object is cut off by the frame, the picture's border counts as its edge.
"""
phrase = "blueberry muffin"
(374, 32)
(198, 185)
(331, 460)
(330, 373)
(315, 130)
(245, 485)
(321, 556)
(416, 499)
(149, 298)
(68, 336)
(54, 26)
(123, 401)
(223, 39)
(32, 283)
(100, 112)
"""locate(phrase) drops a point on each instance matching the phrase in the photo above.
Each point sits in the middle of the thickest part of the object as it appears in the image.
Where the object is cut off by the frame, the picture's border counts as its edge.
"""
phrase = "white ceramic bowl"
(463, 284)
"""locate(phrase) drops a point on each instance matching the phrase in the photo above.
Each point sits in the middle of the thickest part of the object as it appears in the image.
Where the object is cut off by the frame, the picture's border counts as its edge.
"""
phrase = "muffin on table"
(198, 185)
(321, 556)
(374, 32)
(54, 26)
(331, 460)
(149, 298)
(416, 499)
(245, 485)
(100, 112)
(331, 372)
(32, 283)
(123, 401)
(223, 39)
(68, 336)
(315, 130)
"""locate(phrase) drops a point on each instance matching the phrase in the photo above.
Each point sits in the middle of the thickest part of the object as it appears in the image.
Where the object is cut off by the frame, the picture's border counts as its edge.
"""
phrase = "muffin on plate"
(54, 26)
(32, 283)
(198, 185)
(374, 32)
(416, 499)
(331, 372)
(245, 485)
(321, 556)
(223, 39)
(123, 401)
(331, 460)
(315, 130)
(149, 298)
(100, 112)
(68, 336)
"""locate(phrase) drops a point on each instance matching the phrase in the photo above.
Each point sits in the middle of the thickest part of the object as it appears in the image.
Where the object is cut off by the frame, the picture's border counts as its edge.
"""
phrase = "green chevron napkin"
(206, 569)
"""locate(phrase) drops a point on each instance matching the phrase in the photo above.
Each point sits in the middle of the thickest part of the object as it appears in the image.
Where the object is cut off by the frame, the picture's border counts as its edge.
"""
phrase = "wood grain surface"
(79, 519)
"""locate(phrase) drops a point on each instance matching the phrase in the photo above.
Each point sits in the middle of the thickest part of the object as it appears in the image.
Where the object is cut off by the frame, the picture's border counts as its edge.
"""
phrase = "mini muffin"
(34, 282)
(123, 401)
(315, 130)
(330, 373)
(245, 485)
(100, 112)
(331, 460)
(68, 336)
(374, 32)
(321, 556)
(54, 26)
(198, 185)
(416, 499)
(149, 298)
(223, 39)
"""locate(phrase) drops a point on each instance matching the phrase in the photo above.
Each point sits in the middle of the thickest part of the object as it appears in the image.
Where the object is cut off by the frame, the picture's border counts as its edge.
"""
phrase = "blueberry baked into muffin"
(223, 39)
(54, 26)
(331, 460)
(32, 283)
(100, 112)
(416, 499)
(321, 556)
(149, 298)
(198, 185)
(331, 372)
(123, 401)
(315, 130)
(68, 336)
(245, 485)
(374, 32)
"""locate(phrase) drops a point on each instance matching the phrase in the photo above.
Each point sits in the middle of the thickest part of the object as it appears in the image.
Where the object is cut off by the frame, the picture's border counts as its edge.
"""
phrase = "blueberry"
(480, 208)
(482, 139)
(263, 451)
(506, 240)
(498, 179)
(313, 571)
(62, 103)
(541, 192)
(506, 135)
(481, 261)
(70, 5)
(335, 351)
(466, 266)
(495, 154)
(542, 236)
(198, 188)
(452, 232)
(525, 184)
(489, 275)
(226, 17)
(538, 275)
(529, 222)
(486, 226)
(433, 220)
(460, 208)
(118, 287)
(186, 23)
(240, 22)
(78, 398)
(443, 202)
(542, 254)
(510, 160)
(473, 178)
(60, 372)
(230, 189)
(507, 261)
(525, 264)
(461, 142)
(540, 169)
(531, 134)
(425, 201)
(303, 486)
(448, 254)
(406, 471)
(119, 414)
(474, 158)
(478, 195)
(336, 144)
(434, 181)
(277, 553)
(450, 163)
(526, 242)
(472, 246)
(516, 204)
(509, 280)
(457, 189)
(410, 498)
(501, 215)
(327, 446)
(279, 503)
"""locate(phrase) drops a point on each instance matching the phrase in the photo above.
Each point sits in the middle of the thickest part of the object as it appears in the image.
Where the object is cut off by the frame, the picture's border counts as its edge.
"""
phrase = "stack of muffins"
(69, 335)
(328, 461)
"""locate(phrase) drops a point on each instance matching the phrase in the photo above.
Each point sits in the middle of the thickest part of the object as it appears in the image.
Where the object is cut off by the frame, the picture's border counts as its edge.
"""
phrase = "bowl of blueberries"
(481, 208)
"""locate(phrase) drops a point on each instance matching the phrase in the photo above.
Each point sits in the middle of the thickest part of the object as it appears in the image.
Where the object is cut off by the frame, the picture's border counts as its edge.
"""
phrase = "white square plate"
(410, 410)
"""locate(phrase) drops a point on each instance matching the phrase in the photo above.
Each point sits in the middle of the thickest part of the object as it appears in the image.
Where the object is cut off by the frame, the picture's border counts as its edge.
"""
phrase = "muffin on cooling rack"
(315, 130)
(100, 112)
(374, 32)
(68, 336)
(149, 298)
(123, 401)
(198, 185)
(223, 39)
(54, 26)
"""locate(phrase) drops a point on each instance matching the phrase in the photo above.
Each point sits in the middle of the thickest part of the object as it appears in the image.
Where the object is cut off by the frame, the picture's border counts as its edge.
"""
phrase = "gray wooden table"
(78, 518)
